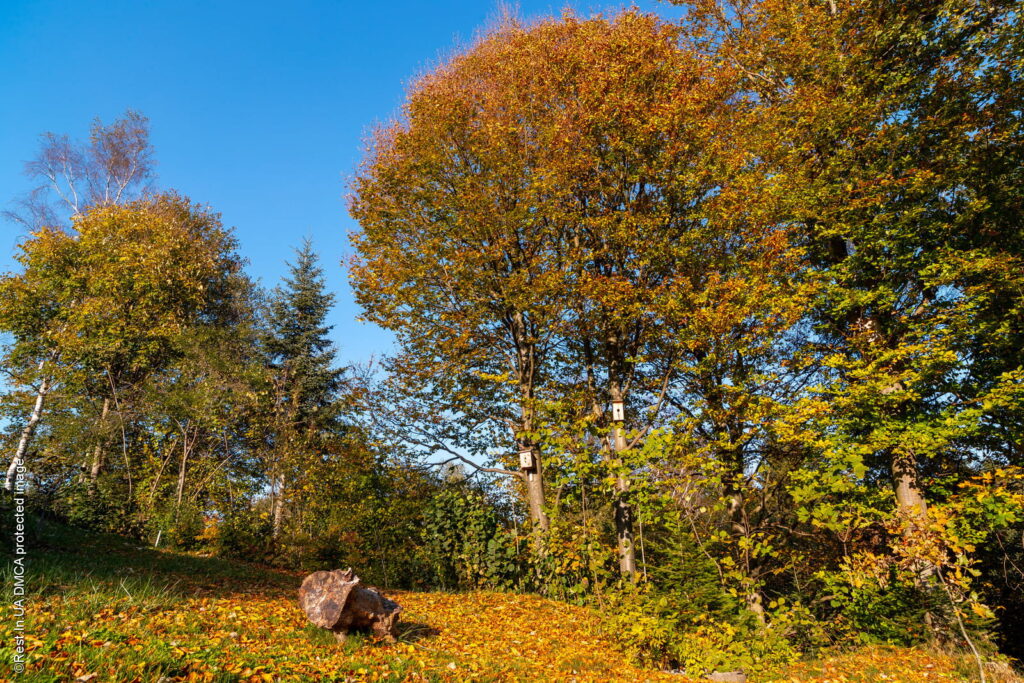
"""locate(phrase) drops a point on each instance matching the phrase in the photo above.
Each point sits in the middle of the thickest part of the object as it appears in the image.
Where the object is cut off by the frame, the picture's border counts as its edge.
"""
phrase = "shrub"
(655, 633)
(467, 543)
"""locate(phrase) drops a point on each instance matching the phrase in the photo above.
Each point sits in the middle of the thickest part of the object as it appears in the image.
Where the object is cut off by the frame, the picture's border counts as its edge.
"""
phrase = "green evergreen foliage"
(685, 577)
(299, 348)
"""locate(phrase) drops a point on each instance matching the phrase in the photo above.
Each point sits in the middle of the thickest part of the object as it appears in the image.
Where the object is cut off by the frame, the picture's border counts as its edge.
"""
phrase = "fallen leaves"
(247, 636)
(231, 623)
(904, 665)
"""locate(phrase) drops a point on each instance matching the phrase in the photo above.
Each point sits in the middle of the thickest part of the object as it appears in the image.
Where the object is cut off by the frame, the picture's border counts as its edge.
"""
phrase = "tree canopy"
(712, 324)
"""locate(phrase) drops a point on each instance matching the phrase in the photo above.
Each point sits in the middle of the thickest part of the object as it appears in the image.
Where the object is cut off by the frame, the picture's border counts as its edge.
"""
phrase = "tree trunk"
(741, 527)
(623, 515)
(912, 510)
(910, 503)
(535, 494)
(624, 535)
(741, 530)
(911, 506)
(28, 432)
(181, 473)
(277, 512)
(526, 368)
(97, 456)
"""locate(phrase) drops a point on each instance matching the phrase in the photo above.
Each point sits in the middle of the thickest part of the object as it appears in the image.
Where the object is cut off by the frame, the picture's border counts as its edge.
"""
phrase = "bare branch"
(456, 456)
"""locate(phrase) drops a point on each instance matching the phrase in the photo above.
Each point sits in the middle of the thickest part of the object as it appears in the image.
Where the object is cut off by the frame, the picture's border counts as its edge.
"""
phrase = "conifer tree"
(306, 382)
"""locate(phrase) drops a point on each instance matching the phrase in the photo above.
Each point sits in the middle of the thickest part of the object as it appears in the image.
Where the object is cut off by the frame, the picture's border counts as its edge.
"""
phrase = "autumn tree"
(457, 257)
(119, 290)
(675, 242)
(114, 167)
(538, 227)
(884, 113)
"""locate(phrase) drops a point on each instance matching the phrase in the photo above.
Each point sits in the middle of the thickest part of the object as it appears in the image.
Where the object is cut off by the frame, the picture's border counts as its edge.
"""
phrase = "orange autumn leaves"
(566, 195)
(238, 630)
(103, 609)
(560, 166)
(248, 636)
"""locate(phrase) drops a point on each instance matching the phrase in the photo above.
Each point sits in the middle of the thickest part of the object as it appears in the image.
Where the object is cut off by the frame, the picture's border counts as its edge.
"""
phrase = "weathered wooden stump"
(336, 601)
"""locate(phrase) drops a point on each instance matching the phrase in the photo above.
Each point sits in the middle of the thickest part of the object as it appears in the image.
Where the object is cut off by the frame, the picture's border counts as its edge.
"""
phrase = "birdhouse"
(618, 411)
(526, 460)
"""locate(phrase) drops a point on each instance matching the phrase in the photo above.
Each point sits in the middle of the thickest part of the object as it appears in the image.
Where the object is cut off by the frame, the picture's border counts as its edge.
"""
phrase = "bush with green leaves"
(468, 544)
(654, 631)
(243, 533)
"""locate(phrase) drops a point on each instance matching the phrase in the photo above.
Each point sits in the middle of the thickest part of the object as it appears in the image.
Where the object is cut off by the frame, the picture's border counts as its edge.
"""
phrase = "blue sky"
(258, 109)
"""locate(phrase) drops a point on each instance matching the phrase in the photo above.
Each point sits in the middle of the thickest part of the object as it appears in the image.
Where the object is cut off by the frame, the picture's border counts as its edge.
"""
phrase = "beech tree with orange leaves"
(554, 213)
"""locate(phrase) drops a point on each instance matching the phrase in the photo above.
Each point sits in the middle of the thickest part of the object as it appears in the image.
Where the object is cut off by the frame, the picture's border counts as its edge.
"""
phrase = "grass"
(102, 608)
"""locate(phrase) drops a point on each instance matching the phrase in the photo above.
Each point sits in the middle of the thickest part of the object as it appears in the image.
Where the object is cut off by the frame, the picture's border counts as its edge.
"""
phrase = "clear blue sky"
(258, 109)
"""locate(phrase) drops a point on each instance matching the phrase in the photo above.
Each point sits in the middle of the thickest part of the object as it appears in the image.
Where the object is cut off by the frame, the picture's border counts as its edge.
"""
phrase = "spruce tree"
(302, 362)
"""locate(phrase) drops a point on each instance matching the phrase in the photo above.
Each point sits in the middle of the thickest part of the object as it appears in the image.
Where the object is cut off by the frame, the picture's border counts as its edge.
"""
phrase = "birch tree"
(109, 300)
(113, 167)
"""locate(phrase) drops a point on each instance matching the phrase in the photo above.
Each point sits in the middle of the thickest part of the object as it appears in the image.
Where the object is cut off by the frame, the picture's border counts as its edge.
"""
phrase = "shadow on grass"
(62, 559)
(91, 570)
(412, 631)
(408, 632)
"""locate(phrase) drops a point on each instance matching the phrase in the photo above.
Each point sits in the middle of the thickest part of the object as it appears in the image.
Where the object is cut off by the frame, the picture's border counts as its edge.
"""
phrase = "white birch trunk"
(278, 505)
(26, 434)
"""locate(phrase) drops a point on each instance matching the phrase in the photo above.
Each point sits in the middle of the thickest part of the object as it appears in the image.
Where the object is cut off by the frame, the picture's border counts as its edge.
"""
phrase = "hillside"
(104, 609)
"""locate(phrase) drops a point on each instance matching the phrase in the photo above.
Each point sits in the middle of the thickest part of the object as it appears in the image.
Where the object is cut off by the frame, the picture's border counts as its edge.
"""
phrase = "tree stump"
(336, 601)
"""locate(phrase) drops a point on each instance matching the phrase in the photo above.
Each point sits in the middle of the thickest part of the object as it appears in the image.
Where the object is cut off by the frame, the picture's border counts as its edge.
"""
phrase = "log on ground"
(337, 601)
